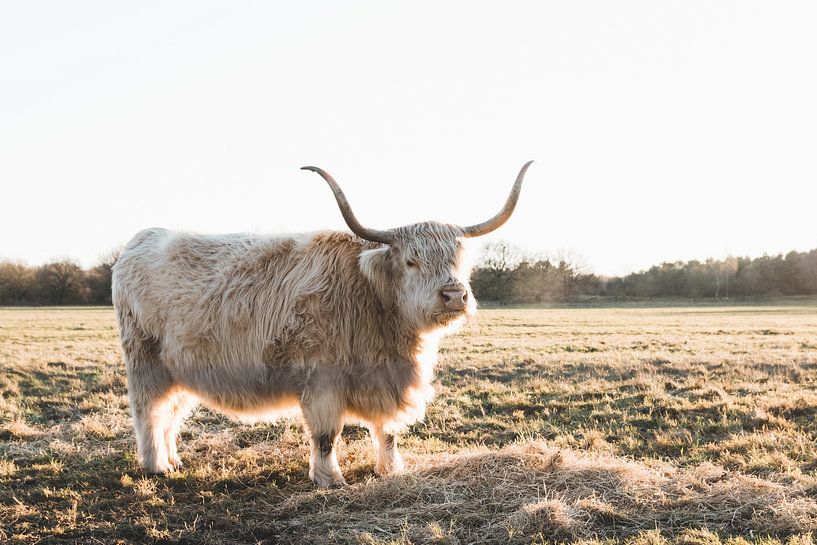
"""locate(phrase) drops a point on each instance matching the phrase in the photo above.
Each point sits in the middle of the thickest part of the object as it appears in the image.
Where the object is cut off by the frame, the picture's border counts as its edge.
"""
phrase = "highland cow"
(343, 327)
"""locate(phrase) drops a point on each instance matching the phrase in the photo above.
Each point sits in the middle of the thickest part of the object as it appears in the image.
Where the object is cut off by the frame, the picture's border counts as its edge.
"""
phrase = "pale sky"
(661, 130)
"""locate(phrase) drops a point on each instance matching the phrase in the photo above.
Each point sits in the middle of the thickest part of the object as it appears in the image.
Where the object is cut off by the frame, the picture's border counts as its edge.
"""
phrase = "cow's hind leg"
(179, 407)
(324, 420)
(389, 460)
(150, 392)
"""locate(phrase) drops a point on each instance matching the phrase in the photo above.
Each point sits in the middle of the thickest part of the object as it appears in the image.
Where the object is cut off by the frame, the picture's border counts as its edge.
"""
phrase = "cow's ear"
(376, 267)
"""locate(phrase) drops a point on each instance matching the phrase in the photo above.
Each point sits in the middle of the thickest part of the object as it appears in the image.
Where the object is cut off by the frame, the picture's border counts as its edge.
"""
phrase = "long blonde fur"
(254, 326)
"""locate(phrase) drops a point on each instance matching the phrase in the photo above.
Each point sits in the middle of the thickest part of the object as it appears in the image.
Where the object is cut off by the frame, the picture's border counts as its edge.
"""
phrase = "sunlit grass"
(640, 425)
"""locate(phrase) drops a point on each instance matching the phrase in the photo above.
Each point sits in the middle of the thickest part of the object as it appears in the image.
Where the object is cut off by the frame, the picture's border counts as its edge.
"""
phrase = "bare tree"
(571, 268)
(98, 278)
(62, 282)
(501, 256)
(492, 279)
(16, 282)
(722, 271)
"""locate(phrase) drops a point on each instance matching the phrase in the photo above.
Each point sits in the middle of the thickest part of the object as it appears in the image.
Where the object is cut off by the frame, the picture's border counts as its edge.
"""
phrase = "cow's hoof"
(159, 471)
(176, 464)
(164, 468)
(330, 483)
(387, 469)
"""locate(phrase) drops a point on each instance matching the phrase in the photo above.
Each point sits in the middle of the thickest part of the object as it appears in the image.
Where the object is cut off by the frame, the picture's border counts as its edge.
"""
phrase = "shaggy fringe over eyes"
(429, 241)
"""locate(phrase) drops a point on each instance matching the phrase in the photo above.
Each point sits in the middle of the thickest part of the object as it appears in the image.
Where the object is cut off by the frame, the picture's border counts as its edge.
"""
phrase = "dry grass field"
(609, 425)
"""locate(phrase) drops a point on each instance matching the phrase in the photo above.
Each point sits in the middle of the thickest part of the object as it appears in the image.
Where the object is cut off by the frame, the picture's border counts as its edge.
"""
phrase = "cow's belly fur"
(393, 396)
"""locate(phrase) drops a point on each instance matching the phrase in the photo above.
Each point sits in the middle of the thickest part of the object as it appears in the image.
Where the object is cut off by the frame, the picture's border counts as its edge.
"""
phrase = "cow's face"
(425, 273)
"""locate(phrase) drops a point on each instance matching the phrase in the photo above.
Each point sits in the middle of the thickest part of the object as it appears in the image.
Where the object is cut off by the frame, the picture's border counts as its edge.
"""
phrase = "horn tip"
(523, 170)
(313, 169)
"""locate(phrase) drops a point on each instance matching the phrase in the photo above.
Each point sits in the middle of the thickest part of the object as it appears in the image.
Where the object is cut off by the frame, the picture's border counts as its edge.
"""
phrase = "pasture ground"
(606, 425)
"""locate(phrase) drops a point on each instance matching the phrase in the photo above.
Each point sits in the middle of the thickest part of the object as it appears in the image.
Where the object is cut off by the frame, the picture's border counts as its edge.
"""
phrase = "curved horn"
(494, 223)
(386, 237)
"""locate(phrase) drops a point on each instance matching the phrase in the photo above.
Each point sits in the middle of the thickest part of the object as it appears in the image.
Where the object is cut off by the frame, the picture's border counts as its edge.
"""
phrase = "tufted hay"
(533, 490)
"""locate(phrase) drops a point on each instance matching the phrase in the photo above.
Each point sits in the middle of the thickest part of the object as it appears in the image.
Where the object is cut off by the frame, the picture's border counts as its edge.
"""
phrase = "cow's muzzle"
(455, 297)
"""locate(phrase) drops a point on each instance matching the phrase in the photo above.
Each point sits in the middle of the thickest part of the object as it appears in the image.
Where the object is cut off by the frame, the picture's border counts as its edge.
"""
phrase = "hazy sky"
(660, 130)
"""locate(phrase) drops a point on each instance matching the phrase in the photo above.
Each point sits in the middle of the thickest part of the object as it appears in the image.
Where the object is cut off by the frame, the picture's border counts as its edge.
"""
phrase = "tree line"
(505, 276)
(794, 273)
(508, 276)
(60, 282)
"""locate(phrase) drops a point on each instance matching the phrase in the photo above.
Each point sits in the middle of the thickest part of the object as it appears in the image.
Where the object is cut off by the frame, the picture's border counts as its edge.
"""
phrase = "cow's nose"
(455, 297)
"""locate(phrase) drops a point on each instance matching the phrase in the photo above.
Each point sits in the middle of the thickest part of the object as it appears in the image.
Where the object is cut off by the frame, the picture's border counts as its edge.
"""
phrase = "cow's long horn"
(386, 237)
(494, 223)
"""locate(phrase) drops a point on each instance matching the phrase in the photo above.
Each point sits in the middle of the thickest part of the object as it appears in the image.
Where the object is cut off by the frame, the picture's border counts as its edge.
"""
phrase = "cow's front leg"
(324, 469)
(389, 460)
(325, 422)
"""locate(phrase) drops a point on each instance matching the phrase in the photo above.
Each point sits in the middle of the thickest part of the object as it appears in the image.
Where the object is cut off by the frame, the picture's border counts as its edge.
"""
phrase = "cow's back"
(242, 301)
(200, 295)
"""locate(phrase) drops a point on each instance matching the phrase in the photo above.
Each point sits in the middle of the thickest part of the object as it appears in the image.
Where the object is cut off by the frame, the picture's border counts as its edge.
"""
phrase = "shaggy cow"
(343, 327)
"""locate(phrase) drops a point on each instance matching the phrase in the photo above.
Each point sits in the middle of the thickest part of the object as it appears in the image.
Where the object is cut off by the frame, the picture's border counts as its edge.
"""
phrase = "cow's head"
(423, 268)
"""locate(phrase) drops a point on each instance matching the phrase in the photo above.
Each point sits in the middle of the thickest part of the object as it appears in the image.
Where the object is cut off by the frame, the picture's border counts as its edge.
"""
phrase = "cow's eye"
(411, 263)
